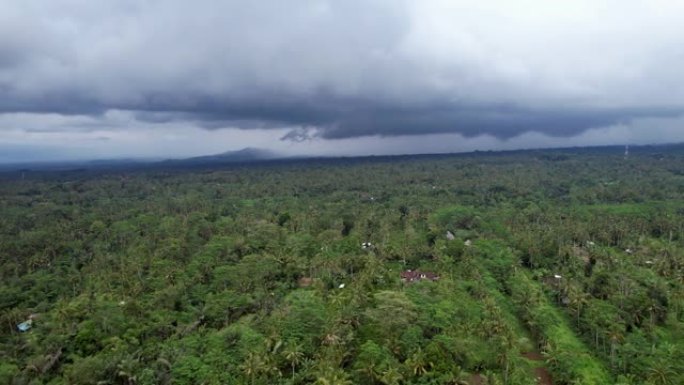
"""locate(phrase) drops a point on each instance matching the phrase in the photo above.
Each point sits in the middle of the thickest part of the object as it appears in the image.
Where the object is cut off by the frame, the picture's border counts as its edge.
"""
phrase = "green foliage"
(457, 218)
(373, 361)
(568, 358)
(302, 319)
(258, 274)
(7, 372)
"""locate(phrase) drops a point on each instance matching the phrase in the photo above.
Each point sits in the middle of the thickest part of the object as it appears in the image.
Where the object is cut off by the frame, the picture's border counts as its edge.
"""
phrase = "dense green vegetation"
(257, 274)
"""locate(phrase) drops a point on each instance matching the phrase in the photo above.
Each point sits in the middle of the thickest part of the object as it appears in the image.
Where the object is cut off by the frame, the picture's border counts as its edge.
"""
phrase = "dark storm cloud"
(491, 120)
(340, 119)
(341, 69)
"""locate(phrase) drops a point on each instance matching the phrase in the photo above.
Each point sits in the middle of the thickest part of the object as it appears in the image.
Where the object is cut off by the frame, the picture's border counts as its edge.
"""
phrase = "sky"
(83, 79)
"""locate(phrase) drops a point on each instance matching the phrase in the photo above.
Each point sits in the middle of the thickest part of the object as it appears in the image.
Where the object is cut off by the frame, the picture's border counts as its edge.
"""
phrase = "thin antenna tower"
(626, 151)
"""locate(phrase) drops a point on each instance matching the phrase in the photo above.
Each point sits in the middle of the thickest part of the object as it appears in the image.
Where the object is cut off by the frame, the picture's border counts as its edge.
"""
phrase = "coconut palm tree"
(391, 376)
(294, 354)
(615, 336)
(418, 363)
(252, 366)
(578, 298)
(332, 376)
(456, 376)
(661, 373)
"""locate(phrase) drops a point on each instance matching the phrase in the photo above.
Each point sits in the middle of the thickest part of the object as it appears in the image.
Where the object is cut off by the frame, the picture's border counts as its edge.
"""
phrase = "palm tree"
(332, 376)
(661, 373)
(370, 369)
(126, 368)
(252, 366)
(457, 376)
(615, 336)
(551, 355)
(492, 378)
(578, 298)
(418, 363)
(294, 354)
(503, 358)
(391, 376)
(270, 367)
(626, 379)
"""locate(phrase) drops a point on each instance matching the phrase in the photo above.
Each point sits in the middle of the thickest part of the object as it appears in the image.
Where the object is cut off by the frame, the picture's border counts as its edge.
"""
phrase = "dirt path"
(475, 379)
(543, 375)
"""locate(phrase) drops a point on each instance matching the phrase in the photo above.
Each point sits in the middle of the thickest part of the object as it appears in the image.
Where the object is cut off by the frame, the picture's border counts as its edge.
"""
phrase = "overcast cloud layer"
(124, 78)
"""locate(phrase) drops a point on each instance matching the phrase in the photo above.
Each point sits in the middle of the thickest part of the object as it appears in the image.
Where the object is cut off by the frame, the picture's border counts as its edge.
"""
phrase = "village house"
(417, 275)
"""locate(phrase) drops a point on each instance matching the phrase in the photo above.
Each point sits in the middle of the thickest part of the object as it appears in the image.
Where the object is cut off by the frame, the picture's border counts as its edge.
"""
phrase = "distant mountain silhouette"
(260, 156)
(248, 154)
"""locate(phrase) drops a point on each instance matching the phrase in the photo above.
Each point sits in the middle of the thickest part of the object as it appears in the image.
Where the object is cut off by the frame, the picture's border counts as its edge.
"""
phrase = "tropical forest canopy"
(530, 266)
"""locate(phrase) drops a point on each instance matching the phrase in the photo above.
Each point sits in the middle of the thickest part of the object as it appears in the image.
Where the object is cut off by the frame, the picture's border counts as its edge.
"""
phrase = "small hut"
(417, 275)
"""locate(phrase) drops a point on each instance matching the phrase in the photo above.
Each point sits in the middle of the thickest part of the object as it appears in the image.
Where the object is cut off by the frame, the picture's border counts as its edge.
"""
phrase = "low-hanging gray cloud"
(341, 69)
